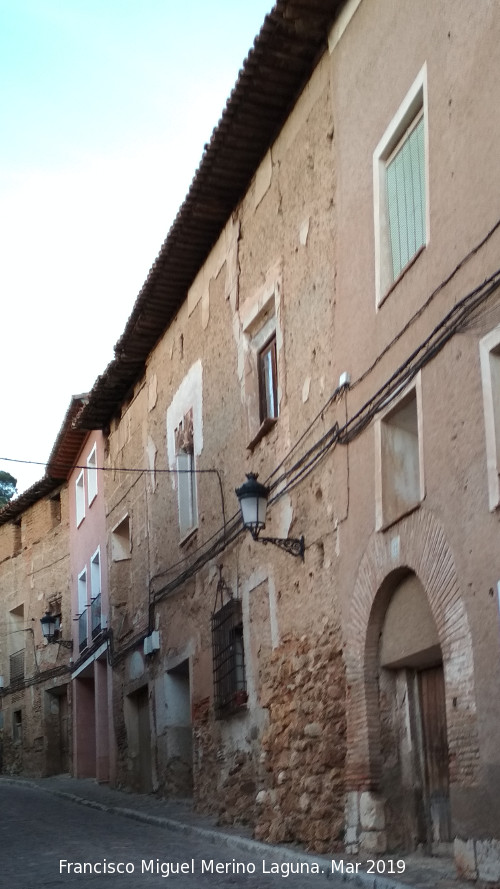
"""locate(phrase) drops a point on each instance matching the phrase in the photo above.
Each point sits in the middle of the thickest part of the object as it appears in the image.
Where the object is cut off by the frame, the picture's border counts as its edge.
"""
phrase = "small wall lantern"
(253, 498)
(50, 625)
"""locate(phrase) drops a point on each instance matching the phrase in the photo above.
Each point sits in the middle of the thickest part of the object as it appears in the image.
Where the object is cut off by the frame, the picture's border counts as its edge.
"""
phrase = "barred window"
(230, 693)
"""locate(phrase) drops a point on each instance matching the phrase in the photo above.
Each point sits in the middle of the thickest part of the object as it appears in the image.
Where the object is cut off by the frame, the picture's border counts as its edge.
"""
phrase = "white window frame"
(187, 493)
(121, 543)
(92, 475)
(260, 317)
(187, 400)
(95, 574)
(80, 498)
(82, 591)
(383, 519)
(414, 105)
(489, 355)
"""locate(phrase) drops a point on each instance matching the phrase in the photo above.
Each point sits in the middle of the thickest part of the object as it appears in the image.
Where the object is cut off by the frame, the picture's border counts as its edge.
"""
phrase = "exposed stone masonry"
(303, 748)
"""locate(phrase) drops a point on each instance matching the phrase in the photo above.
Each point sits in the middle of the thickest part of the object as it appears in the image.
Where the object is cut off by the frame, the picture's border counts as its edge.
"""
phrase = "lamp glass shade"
(48, 622)
(253, 503)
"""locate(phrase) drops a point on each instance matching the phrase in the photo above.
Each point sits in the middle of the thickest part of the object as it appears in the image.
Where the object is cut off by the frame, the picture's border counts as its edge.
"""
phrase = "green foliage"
(7, 487)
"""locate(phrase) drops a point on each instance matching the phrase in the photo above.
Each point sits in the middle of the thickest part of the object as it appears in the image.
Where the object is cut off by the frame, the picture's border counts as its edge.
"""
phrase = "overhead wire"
(304, 465)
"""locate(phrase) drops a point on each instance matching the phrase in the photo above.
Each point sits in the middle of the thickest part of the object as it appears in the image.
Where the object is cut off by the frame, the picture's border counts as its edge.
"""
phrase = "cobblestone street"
(45, 841)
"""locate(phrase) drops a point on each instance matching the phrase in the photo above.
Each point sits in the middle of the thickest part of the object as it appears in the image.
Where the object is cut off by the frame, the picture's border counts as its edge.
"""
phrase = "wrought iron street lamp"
(253, 499)
(50, 625)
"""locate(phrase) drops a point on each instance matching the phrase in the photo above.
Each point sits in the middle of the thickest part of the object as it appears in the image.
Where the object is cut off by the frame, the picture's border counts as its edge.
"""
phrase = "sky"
(105, 106)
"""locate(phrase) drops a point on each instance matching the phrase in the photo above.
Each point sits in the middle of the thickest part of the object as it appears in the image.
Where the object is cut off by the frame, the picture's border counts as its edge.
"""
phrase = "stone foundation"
(478, 860)
(303, 748)
(224, 780)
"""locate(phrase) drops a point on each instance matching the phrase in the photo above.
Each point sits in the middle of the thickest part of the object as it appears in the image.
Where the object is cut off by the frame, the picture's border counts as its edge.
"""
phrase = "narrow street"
(46, 841)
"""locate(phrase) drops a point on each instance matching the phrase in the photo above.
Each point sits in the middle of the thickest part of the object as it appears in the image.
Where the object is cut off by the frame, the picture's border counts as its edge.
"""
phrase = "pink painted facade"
(91, 677)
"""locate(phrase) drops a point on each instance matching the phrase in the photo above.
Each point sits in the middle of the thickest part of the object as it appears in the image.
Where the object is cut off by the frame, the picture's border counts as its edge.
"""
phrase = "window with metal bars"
(16, 665)
(230, 693)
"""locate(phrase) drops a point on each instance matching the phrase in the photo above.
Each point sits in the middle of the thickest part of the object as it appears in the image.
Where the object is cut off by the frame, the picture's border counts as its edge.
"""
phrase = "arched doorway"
(417, 546)
(413, 732)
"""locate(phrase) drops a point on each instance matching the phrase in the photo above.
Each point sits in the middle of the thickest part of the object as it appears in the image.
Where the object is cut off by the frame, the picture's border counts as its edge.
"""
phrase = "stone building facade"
(35, 699)
(324, 312)
(78, 456)
(332, 326)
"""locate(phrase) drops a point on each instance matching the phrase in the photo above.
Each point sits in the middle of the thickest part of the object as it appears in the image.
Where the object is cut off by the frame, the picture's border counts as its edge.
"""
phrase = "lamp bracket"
(292, 545)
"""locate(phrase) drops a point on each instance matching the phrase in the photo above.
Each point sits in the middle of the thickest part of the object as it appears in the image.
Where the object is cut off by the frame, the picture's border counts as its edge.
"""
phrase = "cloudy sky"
(105, 106)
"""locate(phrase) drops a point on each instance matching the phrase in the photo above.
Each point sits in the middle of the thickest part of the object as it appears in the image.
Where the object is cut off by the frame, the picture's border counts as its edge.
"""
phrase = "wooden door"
(435, 753)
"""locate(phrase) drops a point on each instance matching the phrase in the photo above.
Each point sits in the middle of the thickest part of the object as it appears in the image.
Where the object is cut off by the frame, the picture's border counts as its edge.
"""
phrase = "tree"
(7, 487)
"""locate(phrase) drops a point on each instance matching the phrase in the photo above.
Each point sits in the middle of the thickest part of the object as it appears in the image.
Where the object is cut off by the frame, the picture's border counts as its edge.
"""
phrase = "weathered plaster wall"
(300, 249)
(380, 41)
(31, 581)
(275, 257)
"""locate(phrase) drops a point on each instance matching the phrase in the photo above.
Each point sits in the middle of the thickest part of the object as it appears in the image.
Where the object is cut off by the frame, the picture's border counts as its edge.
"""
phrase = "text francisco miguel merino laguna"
(210, 866)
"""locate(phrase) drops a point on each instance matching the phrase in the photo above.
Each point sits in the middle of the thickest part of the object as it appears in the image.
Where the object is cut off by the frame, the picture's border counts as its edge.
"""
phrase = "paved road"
(45, 842)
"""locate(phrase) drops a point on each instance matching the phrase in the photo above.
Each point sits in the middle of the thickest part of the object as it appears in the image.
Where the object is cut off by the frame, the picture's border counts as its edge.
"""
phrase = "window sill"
(401, 275)
(389, 523)
(188, 535)
(265, 427)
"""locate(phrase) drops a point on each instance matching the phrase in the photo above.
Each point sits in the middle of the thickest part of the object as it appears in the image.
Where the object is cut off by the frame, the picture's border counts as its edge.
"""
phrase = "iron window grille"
(95, 609)
(17, 665)
(230, 691)
(82, 630)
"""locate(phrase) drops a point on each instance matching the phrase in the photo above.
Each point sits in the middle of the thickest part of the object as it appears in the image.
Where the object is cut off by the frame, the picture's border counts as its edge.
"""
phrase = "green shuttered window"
(406, 197)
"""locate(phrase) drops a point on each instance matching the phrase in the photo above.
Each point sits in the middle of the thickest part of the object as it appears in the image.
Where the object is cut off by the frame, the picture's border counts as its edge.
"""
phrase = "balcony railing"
(17, 665)
(95, 610)
(82, 630)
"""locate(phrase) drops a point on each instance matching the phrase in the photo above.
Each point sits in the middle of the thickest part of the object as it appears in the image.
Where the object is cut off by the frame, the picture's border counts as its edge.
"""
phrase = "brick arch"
(424, 550)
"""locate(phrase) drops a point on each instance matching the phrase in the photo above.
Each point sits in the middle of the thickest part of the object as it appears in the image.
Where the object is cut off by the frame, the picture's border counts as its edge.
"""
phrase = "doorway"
(435, 755)
(413, 731)
(139, 740)
(178, 775)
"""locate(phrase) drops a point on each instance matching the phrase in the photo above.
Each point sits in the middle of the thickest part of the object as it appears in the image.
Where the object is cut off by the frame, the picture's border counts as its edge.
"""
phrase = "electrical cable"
(302, 467)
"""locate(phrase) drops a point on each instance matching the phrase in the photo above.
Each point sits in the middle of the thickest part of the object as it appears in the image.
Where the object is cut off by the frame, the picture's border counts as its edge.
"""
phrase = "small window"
(92, 475)
(95, 575)
(55, 509)
(82, 610)
(120, 540)
(17, 537)
(399, 479)
(268, 381)
(263, 358)
(80, 498)
(186, 476)
(82, 590)
(230, 694)
(400, 184)
(16, 665)
(17, 726)
(405, 186)
(95, 594)
(489, 350)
